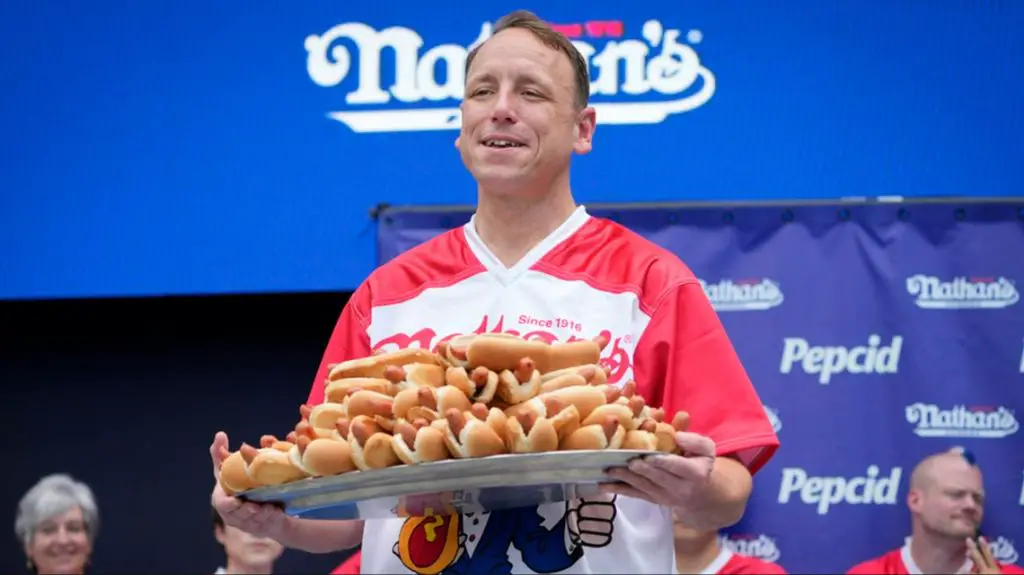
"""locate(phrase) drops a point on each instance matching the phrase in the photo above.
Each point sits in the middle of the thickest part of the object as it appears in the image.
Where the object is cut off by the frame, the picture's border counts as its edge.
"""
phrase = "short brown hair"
(551, 38)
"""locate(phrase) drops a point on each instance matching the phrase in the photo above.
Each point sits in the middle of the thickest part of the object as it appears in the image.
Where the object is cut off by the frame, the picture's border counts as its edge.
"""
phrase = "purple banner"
(875, 333)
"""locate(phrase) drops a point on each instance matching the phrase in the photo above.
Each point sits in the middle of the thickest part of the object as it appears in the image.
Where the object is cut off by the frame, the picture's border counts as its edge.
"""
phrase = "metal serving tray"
(450, 486)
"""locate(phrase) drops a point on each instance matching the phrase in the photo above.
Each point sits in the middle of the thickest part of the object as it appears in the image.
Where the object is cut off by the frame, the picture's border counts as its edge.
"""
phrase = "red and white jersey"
(590, 277)
(900, 562)
(729, 562)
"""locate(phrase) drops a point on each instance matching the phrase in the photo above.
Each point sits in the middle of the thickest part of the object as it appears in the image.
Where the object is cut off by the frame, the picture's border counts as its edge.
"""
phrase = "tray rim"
(405, 474)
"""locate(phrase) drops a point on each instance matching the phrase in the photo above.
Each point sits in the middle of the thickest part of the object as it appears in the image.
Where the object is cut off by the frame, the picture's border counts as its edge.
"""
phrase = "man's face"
(522, 92)
(248, 549)
(951, 502)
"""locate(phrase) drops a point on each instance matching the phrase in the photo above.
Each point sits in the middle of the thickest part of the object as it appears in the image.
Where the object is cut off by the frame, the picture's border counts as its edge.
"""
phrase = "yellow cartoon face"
(427, 545)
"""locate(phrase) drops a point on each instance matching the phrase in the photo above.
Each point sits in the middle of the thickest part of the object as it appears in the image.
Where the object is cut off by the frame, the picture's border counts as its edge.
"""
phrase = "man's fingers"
(695, 444)
(986, 553)
(217, 450)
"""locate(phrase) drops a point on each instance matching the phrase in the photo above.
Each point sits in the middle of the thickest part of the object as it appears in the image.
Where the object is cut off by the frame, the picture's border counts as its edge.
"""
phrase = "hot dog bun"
(233, 476)
(586, 398)
(371, 445)
(621, 412)
(415, 375)
(324, 416)
(270, 465)
(591, 374)
(520, 385)
(525, 433)
(608, 434)
(479, 384)
(467, 436)
(337, 391)
(429, 402)
(418, 442)
(572, 354)
(374, 366)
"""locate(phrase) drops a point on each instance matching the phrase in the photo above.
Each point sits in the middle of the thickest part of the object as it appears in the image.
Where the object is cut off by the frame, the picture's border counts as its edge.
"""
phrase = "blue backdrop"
(876, 334)
(197, 147)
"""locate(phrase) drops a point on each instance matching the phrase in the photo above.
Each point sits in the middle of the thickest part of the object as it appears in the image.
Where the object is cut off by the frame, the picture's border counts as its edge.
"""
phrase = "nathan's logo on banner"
(640, 75)
(962, 293)
(1003, 550)
(961, 421)
(773, 417)
(826, 361)
(826, 491)
(760, 546)
(743, 295)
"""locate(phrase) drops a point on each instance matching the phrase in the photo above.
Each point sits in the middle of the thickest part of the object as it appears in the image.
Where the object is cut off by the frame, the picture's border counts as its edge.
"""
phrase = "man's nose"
(504, 108)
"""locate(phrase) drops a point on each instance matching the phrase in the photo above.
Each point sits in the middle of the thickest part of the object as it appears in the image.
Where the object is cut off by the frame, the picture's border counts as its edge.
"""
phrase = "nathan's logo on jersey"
(743, 295)
(773, 417)
(616, 357)
(961, 421)
(826, 491)
(1003, 550)
(828, 360)
(641, 74)
(760, 546)
(930, 292)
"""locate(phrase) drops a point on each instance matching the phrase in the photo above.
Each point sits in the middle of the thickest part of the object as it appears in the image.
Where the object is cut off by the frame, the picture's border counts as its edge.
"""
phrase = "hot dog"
(574, 353)
(323, 416)
(378, 406)
(374, 366)
(467, 436)
(322, 456)
(533, 432)
(586, 398)
(495, 351)
(622, 413)
(415, 375)
(337, 391)
(371, 445)
(656, 435)
(479, 384)
(587, 375)
(607, 434)
(429, 403)
(418, 442)
(233, 477)
(521, 384)
(270, 465)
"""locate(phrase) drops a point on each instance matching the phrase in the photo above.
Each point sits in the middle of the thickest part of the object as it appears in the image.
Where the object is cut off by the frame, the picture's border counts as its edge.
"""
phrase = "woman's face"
(60, 544)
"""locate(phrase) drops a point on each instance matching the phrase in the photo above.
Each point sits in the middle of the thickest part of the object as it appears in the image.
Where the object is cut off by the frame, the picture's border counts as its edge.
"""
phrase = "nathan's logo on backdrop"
(826, 491)
(961, 421)
(1003, 550)
(828, 360)
(773, 417)
(639, 75)
(743, 295)
(931, 292)
(760, 546)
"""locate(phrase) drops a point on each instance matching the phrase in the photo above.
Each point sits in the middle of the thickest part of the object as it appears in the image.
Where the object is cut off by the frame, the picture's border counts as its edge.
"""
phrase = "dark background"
(126, 395)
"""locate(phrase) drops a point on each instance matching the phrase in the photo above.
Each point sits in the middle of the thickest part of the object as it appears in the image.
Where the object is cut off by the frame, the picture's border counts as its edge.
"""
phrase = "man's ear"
(457, 139)
(218, 533)
(586, 124)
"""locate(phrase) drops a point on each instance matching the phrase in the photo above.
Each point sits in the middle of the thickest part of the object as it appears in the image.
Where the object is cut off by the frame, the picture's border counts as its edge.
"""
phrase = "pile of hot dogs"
(474, 396)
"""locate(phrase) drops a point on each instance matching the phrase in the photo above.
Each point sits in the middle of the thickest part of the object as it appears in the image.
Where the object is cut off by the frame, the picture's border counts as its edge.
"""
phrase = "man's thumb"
(695, 444)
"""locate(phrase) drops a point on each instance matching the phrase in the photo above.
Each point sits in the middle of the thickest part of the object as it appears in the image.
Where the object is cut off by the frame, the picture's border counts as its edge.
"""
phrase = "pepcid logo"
(760, 546)
(639, 75)
(743, 295)
(826, 361)
(961, 421)
(1003, 550)
(930, 292)
(773, 418)
(826, 491)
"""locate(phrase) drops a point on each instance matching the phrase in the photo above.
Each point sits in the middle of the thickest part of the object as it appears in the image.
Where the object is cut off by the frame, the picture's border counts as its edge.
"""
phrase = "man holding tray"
(532, 260)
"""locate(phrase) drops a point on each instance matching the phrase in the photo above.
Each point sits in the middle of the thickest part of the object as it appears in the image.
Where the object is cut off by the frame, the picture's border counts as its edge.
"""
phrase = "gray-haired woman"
(57, 524)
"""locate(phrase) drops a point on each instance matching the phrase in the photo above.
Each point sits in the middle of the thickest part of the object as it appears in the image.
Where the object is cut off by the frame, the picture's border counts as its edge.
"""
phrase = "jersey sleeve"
(349, 340)
(872, 566)
(684, 361)
(1008, 569)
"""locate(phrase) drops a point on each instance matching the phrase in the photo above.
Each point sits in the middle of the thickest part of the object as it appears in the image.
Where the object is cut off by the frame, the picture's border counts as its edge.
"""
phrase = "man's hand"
(981, 554)
(590, 521)
(261, 520)
(679, 482)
